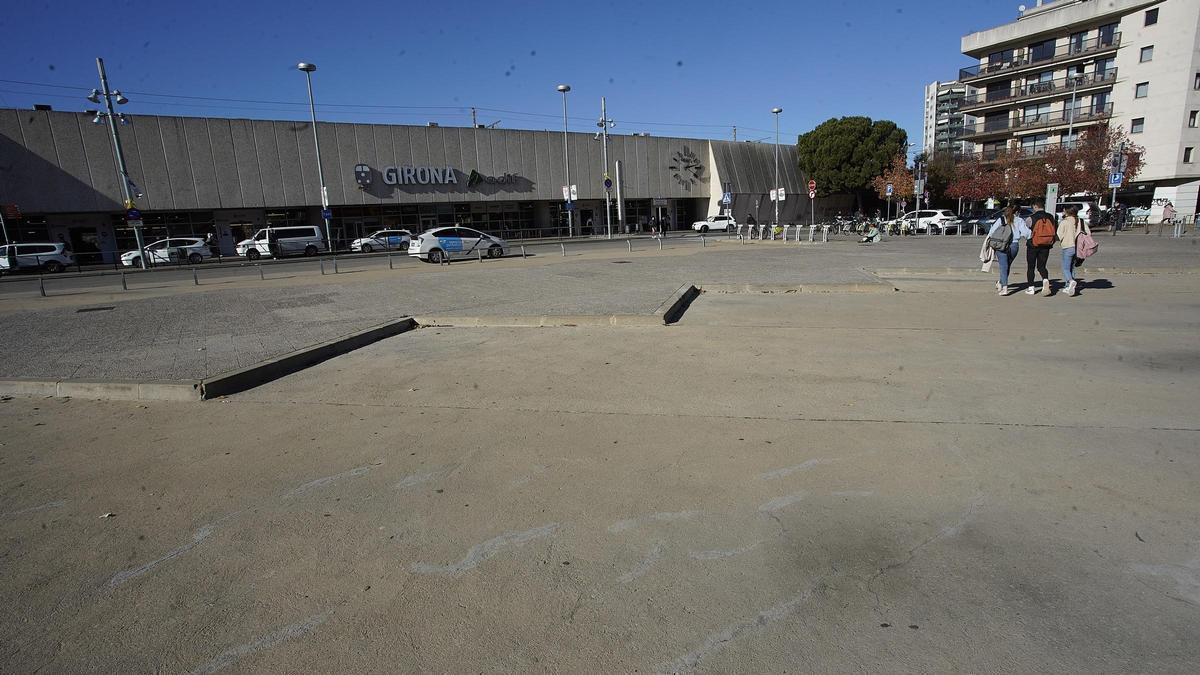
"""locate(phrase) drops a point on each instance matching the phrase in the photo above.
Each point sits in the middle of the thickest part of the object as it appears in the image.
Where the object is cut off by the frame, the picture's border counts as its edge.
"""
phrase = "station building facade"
(230, 177)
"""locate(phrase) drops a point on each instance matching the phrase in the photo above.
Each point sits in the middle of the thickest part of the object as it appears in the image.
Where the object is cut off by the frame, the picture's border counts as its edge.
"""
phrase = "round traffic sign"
(812, 194)
(812, 185)
(607, 183)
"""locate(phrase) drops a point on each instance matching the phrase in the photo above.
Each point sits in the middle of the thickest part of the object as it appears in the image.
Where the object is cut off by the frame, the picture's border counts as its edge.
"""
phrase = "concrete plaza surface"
(930, 480)
(166, 328)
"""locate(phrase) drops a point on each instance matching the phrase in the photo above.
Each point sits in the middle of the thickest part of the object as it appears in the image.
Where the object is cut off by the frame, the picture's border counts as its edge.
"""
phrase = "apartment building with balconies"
(943, 117)
(1065, 66)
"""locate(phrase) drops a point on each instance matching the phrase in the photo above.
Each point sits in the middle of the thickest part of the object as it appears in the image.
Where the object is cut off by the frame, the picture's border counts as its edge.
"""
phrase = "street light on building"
(308, 69)
(112, 116)
(775, 112)
(564, 88)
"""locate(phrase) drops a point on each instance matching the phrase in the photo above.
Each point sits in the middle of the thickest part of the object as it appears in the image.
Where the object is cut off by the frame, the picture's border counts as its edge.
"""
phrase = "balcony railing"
(1025, 122)
(1063, 86)
(1033, 150)
(1066, 50)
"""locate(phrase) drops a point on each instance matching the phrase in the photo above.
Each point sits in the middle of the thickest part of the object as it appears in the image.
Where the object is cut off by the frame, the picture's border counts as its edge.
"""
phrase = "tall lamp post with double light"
(113, 117)
(605, 124)
(775, 112)
(308, 69)
(563, 89)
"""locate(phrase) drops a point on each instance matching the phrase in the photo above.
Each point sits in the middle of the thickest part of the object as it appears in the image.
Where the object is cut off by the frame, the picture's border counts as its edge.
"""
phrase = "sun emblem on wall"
(686, 168)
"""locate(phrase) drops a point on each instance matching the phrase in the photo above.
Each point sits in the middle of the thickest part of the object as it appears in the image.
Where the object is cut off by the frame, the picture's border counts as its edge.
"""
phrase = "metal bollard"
(703, 242)
(564, 249)
(335, 269)
(825, 234)
(479, 254)
(195, 277)
(322, 267)
(124, 286)
(522, 250)
(390, 266)
(42, 285)
(261, 274)
(629, 244)
(660, 244)
(811, 230)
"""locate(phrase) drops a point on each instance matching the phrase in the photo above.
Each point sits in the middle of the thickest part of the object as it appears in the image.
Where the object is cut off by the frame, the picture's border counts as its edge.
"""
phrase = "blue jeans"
(1006, 258)
(1068, 261)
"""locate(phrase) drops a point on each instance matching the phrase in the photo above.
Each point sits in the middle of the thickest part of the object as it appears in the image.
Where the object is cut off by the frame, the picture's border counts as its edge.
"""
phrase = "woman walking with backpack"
(1004, 238)
(1043, 234)
(1068, 228)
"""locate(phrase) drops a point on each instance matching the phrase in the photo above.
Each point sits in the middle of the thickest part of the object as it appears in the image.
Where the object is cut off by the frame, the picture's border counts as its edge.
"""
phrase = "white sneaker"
(1046, 287)
(1004, 290)
(1032, 290)
(1072, 289)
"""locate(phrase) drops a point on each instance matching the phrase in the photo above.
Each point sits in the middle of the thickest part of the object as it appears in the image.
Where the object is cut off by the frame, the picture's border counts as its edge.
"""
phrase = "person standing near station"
(1042, 234)
(1068, 228)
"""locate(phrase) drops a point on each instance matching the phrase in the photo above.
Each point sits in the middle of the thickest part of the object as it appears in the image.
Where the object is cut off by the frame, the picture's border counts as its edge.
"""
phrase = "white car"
(48, 257)
(174, 250)
(938, 219)
(383, 240)
(719, 223)
(306, 240)
(446, 243)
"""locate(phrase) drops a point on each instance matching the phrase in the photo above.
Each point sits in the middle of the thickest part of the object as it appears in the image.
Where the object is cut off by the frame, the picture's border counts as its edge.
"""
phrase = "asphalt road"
(233, 268)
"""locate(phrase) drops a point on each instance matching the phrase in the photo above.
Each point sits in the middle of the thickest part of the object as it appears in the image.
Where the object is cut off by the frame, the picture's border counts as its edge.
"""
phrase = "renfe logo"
(476, 178)
(419, 175)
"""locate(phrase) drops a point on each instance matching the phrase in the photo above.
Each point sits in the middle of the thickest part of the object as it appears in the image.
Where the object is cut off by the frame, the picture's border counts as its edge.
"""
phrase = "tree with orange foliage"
(898, 175)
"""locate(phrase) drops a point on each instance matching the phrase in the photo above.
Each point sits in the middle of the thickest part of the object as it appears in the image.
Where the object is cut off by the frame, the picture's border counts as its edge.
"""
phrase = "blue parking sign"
(1116, 179)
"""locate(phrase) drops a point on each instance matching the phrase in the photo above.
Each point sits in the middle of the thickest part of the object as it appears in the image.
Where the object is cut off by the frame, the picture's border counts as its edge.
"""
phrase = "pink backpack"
(1085, 246)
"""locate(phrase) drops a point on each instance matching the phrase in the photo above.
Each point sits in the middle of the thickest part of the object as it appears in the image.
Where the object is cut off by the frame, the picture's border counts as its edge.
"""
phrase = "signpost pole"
(4, 226)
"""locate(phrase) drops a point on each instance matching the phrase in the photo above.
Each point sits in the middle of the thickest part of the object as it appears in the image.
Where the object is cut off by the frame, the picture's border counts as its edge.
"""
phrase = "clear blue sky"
(670, 68)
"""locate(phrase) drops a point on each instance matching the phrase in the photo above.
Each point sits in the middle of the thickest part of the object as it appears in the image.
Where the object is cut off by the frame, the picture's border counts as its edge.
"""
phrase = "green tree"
(843, 154)
(939, 170)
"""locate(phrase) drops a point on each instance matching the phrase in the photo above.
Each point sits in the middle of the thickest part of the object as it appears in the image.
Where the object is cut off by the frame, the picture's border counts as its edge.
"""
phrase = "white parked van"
(278, 242)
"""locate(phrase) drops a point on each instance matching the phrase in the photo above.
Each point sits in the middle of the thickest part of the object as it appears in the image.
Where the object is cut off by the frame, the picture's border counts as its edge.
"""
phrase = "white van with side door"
(277, 242)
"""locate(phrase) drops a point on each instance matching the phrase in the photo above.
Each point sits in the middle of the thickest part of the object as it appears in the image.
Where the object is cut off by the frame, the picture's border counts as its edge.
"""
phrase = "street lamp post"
(308, 69)
(122, 169)
(775, 112)
(604, 124)
(564, 88)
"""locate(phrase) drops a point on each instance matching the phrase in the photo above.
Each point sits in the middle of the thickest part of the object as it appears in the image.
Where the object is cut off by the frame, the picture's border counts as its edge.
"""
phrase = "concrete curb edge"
(273, 369)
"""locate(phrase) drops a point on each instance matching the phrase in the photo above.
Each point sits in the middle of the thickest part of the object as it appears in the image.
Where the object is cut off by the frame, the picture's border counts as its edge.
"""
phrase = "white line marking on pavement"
(853, 493)
(644, 565)
(415, 479)
(329, 480)
(781, 502)
(717, 554)
(229, 656)
(717, 641)
(485, 550)
(121, 577)
(40, 507)
(1186, 578)
(630, 523)
(788, 470)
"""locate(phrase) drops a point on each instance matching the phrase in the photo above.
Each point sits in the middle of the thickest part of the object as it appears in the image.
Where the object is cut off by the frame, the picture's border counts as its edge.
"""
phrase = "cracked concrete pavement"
(935, 479)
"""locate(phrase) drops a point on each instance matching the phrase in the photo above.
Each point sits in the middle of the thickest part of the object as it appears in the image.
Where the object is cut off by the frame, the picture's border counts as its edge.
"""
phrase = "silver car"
(383, 240)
